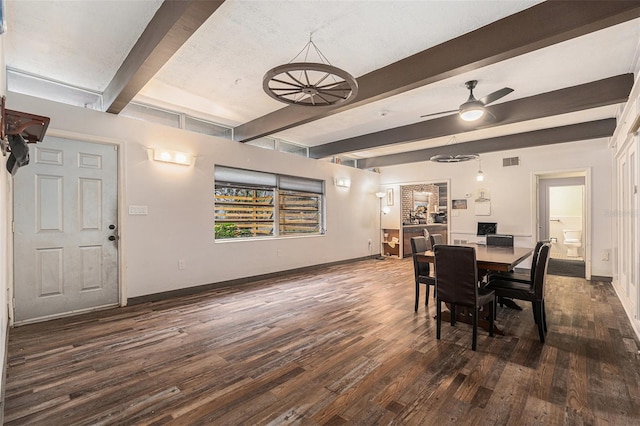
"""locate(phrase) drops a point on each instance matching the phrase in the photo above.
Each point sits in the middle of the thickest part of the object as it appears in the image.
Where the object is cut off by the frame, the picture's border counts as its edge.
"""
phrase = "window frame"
(282, 186)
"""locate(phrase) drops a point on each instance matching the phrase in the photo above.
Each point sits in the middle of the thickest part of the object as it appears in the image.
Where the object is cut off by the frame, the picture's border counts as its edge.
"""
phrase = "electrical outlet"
(605, 255)
(181, 264)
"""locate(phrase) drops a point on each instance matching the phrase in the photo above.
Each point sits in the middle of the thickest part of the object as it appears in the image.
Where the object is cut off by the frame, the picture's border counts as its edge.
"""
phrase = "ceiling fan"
(473, 108)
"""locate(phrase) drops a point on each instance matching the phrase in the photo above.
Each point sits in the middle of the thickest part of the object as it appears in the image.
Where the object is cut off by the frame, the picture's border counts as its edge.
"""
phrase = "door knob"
(112, 237)
(112, 227)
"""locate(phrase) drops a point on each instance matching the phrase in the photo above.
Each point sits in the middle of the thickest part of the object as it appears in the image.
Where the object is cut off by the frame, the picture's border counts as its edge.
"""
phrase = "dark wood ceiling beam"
(571, 133)
(172, 25)
(599, 93)
(540, 26)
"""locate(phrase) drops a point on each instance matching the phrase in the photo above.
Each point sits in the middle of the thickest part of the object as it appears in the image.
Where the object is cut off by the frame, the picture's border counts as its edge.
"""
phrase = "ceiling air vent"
(512, 161)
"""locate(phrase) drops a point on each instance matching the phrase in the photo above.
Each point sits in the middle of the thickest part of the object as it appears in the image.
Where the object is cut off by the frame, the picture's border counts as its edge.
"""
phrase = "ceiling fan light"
(471, 112)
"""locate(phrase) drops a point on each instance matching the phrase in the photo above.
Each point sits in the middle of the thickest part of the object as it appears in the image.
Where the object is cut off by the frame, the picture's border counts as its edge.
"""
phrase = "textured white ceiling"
(225, 61)
(218, 73)
(81, 43)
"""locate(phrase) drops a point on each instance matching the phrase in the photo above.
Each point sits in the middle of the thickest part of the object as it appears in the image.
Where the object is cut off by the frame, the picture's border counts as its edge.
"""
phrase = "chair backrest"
(540, 272)
(534, 259)
(427, 235)
(500, 240)
(456, 274)
(436, 239)
(418, 245)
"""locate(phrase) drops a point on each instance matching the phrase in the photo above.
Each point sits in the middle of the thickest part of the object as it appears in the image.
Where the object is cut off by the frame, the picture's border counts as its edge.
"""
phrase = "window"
(245, 204)
(280, 145)
(151, 114)
(299, 213)
(291, 148)
(28, 84)
(266, 143)
(207, 127)
(176, 119)
(350, 162)
(243, 212)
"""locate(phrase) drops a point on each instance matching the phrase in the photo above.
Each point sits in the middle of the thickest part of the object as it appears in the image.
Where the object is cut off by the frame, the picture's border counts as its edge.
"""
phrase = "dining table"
(488, 259)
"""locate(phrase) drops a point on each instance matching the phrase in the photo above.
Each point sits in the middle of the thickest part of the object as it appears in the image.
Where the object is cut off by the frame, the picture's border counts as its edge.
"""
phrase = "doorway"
(65, 230)
(562, 220)
(424, 211)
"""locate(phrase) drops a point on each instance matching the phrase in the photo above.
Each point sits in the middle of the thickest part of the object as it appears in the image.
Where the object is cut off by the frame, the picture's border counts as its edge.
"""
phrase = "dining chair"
(421, 270)
(520, 277)
(533, 293)
(457, 284)
(436, 239)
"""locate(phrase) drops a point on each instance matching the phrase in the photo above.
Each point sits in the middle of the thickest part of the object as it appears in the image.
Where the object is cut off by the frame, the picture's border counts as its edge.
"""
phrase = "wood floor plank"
(339, 345)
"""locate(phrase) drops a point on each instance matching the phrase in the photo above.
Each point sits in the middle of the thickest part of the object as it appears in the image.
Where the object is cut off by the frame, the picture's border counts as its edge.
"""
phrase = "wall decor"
(483, 208)
(483, 195)
(390, 196)
(459, 204)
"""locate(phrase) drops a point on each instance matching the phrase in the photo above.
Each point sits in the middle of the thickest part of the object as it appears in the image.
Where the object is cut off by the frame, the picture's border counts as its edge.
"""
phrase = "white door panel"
(64, 204)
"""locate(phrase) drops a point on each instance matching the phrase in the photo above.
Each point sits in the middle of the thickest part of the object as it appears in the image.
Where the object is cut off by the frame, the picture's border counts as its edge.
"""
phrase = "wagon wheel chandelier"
(310, 83)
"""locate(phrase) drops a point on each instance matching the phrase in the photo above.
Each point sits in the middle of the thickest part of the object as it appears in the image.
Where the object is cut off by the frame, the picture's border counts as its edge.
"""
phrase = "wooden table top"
(492, 258)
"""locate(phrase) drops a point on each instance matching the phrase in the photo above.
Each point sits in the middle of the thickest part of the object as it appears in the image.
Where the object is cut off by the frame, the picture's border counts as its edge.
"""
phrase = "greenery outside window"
(243, 212)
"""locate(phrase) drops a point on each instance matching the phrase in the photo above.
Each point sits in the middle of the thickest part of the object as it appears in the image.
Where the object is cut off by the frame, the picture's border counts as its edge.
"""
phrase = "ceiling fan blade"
(438, 113)
(492, 97)
(488, 120)
(489, 115)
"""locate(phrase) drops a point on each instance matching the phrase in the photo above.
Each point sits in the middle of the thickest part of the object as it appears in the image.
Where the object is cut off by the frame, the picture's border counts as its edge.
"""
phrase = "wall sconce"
(174, 157)
(343, 182)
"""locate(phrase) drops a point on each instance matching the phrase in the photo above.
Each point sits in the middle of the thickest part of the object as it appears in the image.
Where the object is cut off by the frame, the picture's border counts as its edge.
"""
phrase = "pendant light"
(480, 175)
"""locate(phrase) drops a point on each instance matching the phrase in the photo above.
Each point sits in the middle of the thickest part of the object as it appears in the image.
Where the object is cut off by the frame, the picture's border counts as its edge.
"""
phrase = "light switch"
(138, 210)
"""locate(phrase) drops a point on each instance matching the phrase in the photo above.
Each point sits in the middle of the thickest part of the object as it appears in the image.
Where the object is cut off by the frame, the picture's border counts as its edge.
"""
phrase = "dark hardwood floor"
(334, 346)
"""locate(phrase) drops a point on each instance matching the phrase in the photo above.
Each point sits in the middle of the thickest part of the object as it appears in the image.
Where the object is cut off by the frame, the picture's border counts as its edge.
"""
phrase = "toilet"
(572, 240)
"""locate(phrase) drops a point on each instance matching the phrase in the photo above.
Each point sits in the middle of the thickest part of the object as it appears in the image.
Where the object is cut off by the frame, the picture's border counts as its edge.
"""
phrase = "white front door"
(65, 229)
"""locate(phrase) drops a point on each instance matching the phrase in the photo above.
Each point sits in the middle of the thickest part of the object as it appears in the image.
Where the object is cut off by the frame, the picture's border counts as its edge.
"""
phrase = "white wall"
(179, 224)
(511, 190)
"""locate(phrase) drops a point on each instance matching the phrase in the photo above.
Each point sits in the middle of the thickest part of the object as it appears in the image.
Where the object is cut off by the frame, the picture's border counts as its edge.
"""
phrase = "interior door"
(65, 229)
(632, 254)
(627, 242)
